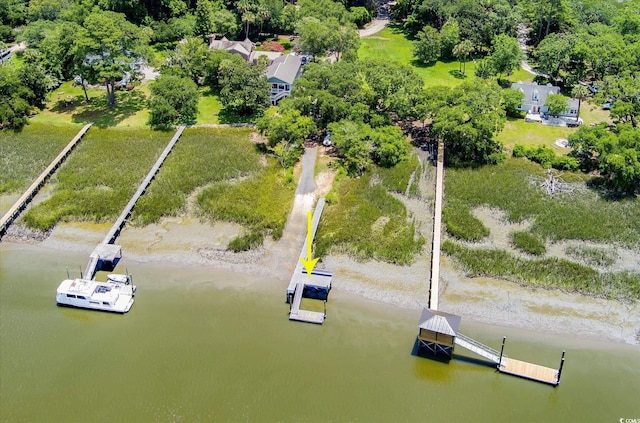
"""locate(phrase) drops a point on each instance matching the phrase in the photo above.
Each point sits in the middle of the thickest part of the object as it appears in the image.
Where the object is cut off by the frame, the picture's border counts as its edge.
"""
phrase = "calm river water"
(203, 344)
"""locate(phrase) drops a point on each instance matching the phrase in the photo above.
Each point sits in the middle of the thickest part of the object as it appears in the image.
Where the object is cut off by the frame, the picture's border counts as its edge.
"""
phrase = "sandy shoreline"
(184, 240)
(187, 242)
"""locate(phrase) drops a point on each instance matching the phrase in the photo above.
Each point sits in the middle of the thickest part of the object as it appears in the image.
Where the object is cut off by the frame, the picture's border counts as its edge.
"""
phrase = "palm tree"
(461, 51)
(579, 92)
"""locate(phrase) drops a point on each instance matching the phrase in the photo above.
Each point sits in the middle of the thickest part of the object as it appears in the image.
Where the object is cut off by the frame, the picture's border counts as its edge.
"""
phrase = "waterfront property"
(438, 331)
(533, 103)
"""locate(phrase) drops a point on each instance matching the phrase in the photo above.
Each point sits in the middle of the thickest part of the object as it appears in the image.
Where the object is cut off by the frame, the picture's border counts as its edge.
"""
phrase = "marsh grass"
(200, 157)
(98, 179)
(261, 203)
(461, 224)
(592, 256)
(546, 272)
(528, 243)
(512, 187)
(25, 154)
(366, 222)
(396, 178)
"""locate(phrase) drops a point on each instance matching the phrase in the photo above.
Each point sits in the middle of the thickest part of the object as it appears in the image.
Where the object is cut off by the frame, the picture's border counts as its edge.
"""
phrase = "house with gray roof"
(281, 73)
(245, 48)
(535, 97)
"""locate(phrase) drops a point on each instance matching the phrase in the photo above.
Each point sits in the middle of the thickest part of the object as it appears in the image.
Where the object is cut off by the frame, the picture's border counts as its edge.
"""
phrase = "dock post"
(504, 338)
(560, 368)
(325, 308)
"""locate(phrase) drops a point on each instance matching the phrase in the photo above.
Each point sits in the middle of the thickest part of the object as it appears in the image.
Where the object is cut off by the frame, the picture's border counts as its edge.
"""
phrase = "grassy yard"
(201, 156)
(391, 44)
(98, 179)
(25, 154)
(67, 105)
(365, 221)
(517, 131)
(209, 107)
(584, 215)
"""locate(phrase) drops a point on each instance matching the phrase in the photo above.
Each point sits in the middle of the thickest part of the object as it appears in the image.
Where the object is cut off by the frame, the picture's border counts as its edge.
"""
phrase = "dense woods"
(575, 44)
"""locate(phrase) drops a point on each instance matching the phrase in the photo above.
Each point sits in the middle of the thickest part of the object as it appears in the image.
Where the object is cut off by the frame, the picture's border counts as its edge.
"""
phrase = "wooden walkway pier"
(302, 285)
(434, 284)
(15, 210)
(106, 254)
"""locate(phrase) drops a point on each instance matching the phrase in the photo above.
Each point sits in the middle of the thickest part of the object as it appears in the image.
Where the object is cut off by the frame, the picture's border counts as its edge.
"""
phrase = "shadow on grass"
(97, 111)
(457, 74)
(230, 117)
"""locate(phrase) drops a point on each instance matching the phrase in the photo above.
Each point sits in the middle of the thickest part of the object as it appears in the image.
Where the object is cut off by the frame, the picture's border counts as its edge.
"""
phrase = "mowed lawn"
(391, 44)
(67, 105)
(517, 131)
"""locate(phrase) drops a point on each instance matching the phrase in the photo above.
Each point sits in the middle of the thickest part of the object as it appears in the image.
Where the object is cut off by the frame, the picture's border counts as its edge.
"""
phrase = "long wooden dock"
(15, 210)
(434, 284)
(509, 365)
(107, 247)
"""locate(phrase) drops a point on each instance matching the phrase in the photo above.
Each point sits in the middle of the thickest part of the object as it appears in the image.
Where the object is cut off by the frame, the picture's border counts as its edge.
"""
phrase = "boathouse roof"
(439, 321)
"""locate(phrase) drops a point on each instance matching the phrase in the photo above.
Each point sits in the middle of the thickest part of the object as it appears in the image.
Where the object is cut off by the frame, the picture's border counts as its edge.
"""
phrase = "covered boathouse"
(437, 332)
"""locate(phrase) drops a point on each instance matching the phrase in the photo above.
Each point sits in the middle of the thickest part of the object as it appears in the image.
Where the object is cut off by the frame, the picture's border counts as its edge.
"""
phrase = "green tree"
(390, 146)
(112, 46)
(485, 68)
(189, 59)
(505, 54)
(579, 92)
(450, 36)
(288, 126)
(466, 118)
(428, 45)
(286, 133)
(173, 100)
(461, 52)
(553, 54)
(353, 144)
(360, 15)
(245, 89)
(14, 105)
(511, 100)
(557, 104)
(625, 90)
(205, 19)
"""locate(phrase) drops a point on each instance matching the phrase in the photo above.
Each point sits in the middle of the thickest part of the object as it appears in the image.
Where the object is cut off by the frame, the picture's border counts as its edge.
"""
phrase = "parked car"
(327, 140)
(607, 105)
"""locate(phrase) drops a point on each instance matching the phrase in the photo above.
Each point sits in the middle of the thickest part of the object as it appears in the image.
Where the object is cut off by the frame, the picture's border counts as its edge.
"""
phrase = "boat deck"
(529, 371)
(299, 315)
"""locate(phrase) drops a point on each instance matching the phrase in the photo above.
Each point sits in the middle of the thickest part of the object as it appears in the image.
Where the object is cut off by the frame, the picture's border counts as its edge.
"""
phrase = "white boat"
(115, 295)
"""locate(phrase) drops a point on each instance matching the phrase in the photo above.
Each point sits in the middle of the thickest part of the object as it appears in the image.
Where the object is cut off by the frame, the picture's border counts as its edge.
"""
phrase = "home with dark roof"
(281, 73)
(535, 97)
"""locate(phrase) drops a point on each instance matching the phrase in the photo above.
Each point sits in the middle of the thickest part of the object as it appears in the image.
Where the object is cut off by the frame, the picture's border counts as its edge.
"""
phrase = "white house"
(281, 73)
(535, 97)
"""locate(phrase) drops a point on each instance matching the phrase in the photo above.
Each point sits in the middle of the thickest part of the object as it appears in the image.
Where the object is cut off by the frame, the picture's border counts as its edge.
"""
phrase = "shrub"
(273, 46)
(528, 243)
(246, 242)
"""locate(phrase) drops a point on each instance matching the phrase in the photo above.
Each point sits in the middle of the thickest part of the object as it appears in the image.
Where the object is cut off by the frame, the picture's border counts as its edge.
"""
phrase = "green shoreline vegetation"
(99, 178)
(24, 155)
(450, 79)
(201, 156)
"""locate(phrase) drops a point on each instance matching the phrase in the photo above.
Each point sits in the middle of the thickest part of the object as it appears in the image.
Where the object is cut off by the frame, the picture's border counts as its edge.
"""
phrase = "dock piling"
(560, 368)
